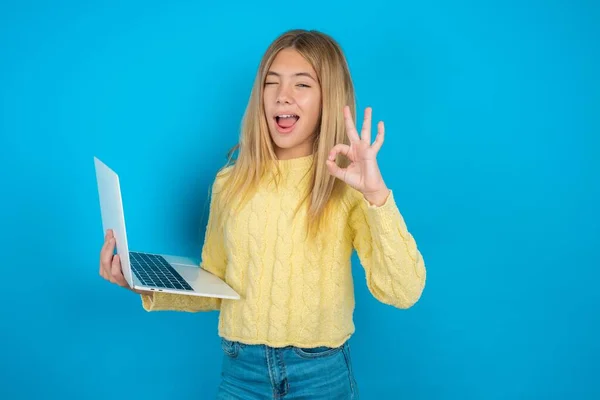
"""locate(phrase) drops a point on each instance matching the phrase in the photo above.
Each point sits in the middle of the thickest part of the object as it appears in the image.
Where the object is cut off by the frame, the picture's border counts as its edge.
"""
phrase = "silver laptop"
(150, 271)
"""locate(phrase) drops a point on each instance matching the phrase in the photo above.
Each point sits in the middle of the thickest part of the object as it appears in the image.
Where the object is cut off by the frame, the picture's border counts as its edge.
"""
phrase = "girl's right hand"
(110, 264)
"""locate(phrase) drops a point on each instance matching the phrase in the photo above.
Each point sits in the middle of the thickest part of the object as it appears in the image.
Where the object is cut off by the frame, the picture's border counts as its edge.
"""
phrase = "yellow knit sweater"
(293, 293)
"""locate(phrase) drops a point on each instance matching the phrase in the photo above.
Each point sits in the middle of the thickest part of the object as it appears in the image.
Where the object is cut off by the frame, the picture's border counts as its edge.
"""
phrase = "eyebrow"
(273, 73)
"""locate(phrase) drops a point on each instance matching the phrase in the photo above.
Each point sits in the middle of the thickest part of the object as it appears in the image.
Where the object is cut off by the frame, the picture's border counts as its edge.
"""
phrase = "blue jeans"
(262, 372)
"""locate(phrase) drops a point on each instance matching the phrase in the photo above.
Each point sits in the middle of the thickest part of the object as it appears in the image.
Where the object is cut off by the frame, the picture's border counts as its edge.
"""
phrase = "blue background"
(492, 117)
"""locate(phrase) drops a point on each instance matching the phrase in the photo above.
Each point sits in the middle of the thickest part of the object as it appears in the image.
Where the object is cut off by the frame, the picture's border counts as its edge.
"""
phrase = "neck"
(298, 163)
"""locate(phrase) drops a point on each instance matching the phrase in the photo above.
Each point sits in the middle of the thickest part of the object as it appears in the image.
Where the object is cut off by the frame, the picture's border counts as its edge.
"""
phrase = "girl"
(304, 191)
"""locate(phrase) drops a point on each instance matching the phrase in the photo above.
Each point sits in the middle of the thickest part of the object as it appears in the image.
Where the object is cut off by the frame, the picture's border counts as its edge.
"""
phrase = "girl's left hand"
(363, 172)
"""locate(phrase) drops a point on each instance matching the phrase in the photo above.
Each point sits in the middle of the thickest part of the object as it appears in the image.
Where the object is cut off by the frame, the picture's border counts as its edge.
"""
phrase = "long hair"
(255, 149)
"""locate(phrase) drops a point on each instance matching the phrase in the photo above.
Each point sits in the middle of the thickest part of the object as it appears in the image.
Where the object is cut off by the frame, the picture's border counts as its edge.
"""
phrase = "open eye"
(303, 85)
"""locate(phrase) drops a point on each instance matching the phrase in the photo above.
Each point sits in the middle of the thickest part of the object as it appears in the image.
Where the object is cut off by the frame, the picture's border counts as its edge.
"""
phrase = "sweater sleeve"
(214, 260)
(395, 270)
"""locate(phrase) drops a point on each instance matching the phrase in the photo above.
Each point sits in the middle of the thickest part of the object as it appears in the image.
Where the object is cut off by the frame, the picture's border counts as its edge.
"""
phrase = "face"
(292, 103)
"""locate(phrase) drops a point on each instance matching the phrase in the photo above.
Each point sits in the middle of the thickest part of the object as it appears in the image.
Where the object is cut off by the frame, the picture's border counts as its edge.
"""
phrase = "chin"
(284, 144)
(286, 140)
(289, 140)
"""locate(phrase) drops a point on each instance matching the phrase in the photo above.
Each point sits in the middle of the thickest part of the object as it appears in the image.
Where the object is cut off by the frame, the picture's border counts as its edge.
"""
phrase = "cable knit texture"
(295, 292)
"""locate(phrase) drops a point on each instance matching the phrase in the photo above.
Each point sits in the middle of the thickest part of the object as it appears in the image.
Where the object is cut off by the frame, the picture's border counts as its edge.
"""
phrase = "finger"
(340, 148)
(380, 136)
(106, 256)
(350, 127)
(103, 274)
(365, 133)
(335, 170)
(116, 272)
(102, 253)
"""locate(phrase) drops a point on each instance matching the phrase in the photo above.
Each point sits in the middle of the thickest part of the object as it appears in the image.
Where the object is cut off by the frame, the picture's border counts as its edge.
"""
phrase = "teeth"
(286, 116)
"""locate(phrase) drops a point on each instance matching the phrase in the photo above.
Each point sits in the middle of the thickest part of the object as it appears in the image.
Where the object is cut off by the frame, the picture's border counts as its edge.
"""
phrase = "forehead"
(290, 61)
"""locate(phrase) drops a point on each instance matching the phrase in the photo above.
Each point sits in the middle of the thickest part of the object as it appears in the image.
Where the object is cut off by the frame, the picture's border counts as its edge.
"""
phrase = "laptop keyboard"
(154, 270)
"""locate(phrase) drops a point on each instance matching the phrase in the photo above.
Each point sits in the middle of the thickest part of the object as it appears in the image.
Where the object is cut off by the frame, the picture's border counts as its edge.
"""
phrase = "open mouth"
(286, 122)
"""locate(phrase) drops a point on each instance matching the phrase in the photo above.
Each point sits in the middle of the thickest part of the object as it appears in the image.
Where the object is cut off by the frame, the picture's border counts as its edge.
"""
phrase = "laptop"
(151, 271)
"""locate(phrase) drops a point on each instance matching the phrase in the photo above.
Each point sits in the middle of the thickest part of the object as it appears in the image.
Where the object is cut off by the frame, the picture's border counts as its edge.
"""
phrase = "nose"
(284, 95)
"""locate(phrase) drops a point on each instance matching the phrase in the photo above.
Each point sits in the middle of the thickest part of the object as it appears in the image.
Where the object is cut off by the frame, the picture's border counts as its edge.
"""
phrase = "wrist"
(378, 197)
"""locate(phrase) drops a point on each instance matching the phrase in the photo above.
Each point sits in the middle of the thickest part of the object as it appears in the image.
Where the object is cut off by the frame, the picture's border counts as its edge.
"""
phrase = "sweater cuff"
(386, 218)
(148, 301)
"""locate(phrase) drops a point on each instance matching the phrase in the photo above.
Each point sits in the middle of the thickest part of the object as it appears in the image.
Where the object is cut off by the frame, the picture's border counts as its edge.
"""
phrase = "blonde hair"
(255, 149)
